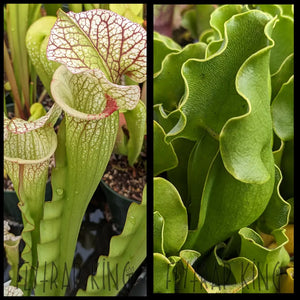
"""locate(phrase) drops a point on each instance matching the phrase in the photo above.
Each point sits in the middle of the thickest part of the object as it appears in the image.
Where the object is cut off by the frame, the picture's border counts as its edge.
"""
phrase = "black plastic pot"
(11, 209)
(118, 205)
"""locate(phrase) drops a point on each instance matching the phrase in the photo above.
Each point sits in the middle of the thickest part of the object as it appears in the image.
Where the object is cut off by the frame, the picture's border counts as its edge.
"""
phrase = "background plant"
(217, 142)
(18, 68)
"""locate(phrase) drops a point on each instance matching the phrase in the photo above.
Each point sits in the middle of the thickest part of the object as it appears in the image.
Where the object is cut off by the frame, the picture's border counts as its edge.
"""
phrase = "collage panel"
(75, 149)
(148, 149)
(223, 140)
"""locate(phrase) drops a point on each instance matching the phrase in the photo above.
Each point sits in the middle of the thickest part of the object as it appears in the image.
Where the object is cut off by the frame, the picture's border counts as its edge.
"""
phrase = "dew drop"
(59, 192)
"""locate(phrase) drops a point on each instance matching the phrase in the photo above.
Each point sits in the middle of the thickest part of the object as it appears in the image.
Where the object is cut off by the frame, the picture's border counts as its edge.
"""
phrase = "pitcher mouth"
(89, 95)
(36, 133)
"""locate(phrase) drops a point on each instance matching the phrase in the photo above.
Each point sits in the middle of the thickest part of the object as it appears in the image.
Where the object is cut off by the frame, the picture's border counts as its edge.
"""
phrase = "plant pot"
(11, 209)
(118, 205)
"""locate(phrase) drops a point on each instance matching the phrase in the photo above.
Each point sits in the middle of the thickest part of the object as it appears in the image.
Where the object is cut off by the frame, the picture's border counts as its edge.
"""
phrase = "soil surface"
(128, 181)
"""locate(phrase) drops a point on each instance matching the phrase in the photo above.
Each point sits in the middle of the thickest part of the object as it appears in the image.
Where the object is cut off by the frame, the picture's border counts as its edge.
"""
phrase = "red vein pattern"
(89, 95)
(19, 126)
(99, 39)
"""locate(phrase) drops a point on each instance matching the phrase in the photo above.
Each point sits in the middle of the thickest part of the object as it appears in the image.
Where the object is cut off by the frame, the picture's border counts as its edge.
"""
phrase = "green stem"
(42, 96)
(19, 18)
(17, 24)
(71, 226)
(35, 212)
(11, 245)
(13, 84)
(31, 87)
(81, 159)
(14, 271)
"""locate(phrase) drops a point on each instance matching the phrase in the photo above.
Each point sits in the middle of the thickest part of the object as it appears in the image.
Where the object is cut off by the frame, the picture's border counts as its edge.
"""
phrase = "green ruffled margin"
(127, 252)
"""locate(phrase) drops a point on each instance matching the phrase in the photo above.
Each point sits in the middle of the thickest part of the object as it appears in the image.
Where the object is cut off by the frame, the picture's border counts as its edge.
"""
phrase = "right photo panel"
(223, 148)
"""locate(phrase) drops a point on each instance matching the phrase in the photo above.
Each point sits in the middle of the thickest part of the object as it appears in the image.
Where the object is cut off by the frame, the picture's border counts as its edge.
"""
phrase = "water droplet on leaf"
(60, 192)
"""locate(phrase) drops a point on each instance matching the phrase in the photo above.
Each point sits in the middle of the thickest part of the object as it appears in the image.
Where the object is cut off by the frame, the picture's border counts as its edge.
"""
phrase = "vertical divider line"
(149, 149)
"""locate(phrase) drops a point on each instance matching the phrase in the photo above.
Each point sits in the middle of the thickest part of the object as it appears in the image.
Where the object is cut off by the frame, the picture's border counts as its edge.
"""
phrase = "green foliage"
(115, 269)
(36, 42)
(224, 117)
(18, 67)
(133, 12)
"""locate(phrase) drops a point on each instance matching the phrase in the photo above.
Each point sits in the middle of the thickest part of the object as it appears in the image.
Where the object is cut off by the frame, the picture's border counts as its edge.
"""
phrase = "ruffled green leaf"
(283, 74)
(207, 36)
(276, 214)
(197, 19)
(226, 206)
(164, 279)
(199, 111)
(168, 85)
(225, 112)
(166, 201)
(283, 36)
(199, 162)
(162, 46)
(166, 159)
(287, 10)
(240, 155)
(127, 252)
(165, 119)
(209, 82)
(99, 39)
(190, 256)
(217, 20)
(287, 169)
(283, 111)
(212, 274)
(267, 261)
(272, 9)
(179, 176)
(220, 16)
(158, 231)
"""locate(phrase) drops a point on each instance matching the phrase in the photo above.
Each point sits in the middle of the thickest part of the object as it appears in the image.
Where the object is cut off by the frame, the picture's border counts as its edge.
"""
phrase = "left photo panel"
(75, 152)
